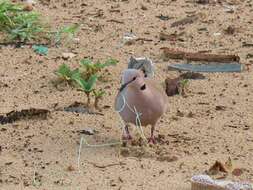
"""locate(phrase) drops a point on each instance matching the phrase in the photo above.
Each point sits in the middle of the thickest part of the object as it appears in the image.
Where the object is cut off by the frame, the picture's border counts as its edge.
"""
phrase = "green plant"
(86, 85)
(21, 26)
(65, 73)
(67, 31)
(86, 77)
(18, 24)
(89, 68)
(182, 86)
(98, 94)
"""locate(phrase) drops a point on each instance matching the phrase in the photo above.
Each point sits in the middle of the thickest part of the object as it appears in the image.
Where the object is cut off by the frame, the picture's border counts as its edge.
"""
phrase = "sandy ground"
(43, 154)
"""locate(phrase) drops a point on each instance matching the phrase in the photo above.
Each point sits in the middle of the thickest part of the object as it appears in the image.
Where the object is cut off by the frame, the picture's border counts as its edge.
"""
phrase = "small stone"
(167, 158)
(67, 56)
(124, 152)
(88, 131)
(70, 168)
(230, 30)
(144, 8)
(28, 7)
(31, 2)
(203, 2)
(237, 172)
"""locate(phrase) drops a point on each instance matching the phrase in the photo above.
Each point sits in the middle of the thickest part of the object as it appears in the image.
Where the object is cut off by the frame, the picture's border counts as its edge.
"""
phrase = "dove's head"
(133, 78)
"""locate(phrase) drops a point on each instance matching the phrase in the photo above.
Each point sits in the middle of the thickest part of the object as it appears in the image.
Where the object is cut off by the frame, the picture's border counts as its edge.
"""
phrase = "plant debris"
(203, 2)
(216, 168)
(192, 75)
(214, 67)
(170, 37)
(71, 168)
(184, 21)
(230, 30)
(107, 165)
(163, 17)
(88, 131)
(78, 107)
(220, 108)
(167, 158)
(198, 56)
(31, 113)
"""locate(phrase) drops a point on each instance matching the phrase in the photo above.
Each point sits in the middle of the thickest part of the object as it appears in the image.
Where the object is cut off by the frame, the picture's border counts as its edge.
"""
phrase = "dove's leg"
(152, 138)
(126, 135)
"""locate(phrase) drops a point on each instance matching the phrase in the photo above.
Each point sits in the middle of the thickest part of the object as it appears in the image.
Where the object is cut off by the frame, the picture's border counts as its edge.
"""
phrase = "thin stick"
(138, 124)
(79, 153)
(105, 166)
(99, 145)
(197, 56)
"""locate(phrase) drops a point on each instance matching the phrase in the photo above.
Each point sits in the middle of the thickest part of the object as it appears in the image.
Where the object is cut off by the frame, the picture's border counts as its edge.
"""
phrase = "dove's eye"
(134, 78)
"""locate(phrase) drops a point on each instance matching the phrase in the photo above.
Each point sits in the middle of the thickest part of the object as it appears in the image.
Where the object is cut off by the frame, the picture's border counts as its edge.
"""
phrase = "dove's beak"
(123, 86)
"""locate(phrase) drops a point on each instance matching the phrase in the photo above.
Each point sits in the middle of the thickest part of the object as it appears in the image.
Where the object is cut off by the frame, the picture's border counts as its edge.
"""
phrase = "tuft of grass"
(65, 32)
(20, 25)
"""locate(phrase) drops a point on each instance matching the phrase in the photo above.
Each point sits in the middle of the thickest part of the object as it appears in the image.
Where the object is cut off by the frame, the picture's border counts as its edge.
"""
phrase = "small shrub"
(86, 77)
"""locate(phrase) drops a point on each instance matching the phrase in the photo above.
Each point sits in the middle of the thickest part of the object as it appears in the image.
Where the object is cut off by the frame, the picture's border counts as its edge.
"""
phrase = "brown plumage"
(143, 94)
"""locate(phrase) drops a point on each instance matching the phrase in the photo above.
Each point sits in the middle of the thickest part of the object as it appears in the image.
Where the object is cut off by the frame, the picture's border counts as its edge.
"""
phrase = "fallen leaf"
(167, 158)
(220, 108)
(70, 168)
(217, 168)
(184, 21)
(162, 17)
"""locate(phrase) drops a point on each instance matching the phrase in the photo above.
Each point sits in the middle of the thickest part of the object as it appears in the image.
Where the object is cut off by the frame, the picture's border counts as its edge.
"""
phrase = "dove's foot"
(151, 140)
(126, 134)
(127, 137)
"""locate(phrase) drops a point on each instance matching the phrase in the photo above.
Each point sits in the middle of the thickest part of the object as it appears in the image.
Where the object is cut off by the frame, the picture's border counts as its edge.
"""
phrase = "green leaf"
(42, 50)
(91, 82)
(70, 29)
(76, 76)
(85, 62)
(99, 93)
(67, 30)
(86, 86)
(81, 82)
(64, 71)
(75, 72)
(111, 61)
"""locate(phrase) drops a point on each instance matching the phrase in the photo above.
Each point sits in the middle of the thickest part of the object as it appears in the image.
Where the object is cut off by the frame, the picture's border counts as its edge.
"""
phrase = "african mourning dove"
(141, 94)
